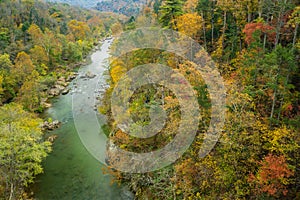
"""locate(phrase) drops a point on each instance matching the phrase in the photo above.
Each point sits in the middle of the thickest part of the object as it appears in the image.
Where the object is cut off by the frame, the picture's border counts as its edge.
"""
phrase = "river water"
(70, 171)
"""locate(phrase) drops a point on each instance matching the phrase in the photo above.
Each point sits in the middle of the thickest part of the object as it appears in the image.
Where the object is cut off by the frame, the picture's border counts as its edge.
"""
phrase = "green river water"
(70, 171)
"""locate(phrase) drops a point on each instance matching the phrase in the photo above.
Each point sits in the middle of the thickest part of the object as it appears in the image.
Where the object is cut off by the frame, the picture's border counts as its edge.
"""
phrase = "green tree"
(8, 82)
(169, 11)
(74, 52)
(156, 5)
(49, 41)
(1, 86)
(4, 38)
(23, 67)
(22, 150)
(29, 94)
(295, 21)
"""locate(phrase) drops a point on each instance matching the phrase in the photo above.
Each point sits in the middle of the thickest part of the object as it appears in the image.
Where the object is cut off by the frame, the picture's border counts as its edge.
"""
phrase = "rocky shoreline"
(61, 87)
(62, 83)
(50, 126)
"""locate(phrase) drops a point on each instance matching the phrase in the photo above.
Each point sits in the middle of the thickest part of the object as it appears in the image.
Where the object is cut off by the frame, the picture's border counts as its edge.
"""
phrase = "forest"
(39, 43)
(255, 46)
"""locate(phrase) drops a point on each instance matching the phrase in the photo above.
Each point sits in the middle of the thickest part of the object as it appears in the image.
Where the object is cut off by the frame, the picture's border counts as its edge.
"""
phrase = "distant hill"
(81, 3)
(125, 7)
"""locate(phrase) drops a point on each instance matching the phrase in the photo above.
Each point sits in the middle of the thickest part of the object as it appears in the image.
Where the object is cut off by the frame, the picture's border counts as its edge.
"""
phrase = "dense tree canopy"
(255, 45)
(39, 43)
(169, 11)
(22, 150)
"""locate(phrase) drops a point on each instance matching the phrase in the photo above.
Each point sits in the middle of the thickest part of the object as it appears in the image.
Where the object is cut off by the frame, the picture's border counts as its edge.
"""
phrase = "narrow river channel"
(70, 171)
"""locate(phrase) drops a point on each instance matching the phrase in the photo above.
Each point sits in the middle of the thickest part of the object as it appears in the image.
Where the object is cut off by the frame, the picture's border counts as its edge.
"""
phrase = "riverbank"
(61, 86)
(62, 78)
(70, 170)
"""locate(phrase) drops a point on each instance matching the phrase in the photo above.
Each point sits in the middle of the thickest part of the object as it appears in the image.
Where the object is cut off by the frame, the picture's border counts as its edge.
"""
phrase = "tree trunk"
(11, 194)
(204, 30)
(174, 23)
(295, 35)
(277, 36)
(265, 41)
(224, 29)
(273, 106)
(212, 24)
(279, 23)
(260, 7)
(274, 100)
(212, 32)
(249, 14)
(284, 89)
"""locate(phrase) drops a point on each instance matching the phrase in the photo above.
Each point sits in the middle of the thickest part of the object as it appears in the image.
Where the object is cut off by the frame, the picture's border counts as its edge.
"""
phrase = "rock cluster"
(44, 103)
(60, 87)
(51, 125)
(51, 138)
(88, 75)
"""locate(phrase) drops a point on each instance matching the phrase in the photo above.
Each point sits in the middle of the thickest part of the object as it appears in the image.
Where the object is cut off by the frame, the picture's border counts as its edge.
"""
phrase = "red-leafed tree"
(272, 176)
(265, 29)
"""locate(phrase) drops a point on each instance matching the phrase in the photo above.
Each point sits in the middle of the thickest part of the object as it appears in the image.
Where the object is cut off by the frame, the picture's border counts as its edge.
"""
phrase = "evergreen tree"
(169, 11)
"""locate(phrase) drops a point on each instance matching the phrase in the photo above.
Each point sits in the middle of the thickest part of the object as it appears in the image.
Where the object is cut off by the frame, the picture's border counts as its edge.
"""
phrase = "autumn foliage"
(255, 46)
(266, 29)
(272, 176)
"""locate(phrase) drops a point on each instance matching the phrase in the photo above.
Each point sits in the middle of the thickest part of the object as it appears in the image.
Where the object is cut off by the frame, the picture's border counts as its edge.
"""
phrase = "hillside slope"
(125, 7)
(81, 3)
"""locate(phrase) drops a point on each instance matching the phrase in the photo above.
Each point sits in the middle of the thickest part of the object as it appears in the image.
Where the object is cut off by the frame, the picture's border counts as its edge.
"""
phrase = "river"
(70, 171)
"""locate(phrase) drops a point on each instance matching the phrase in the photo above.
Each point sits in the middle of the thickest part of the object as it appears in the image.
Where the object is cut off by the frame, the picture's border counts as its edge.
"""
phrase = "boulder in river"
(71, 77)
(61, 79)
(54, 92)
(95, 108)
(59, 87)
(44, 103)
(88, 75)
(62, 83)
(51, 125)
(51, 138)
(65, 91)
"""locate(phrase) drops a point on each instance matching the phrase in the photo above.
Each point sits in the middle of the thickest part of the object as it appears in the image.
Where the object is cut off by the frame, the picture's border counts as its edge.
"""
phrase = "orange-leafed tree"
(267, 30)
(272, 177)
